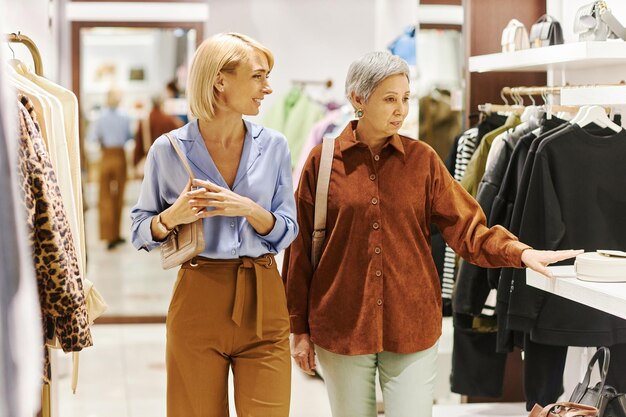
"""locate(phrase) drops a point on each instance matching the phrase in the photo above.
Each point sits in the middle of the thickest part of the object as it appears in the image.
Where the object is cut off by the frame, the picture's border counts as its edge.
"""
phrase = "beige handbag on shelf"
(595, 22)
(514, 37)
(186, 240)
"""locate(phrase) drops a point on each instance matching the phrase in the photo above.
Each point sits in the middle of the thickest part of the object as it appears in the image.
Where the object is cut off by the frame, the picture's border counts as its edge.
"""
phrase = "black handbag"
(617, 404)
(545, 32)
(604, 397)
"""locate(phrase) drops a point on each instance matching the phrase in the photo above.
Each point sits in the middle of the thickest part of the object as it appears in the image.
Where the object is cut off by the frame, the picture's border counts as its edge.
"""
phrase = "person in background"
(373, 304)
(150, 129)
(171, 89)
(112, 130)
(228, 309)
(172, 96)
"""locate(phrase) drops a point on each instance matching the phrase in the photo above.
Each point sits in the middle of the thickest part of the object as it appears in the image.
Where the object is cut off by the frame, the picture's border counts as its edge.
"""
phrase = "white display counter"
(607, 297)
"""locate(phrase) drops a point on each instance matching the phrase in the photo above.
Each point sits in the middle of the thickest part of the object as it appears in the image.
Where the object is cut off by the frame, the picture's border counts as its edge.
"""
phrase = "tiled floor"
(123, 374)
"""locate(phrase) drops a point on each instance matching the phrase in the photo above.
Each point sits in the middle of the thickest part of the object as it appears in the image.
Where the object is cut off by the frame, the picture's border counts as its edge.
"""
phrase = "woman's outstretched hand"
(538, 260)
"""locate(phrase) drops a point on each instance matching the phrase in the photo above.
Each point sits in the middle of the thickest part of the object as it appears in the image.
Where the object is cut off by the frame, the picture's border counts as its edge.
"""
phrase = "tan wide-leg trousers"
(112, 183)
(228, 314)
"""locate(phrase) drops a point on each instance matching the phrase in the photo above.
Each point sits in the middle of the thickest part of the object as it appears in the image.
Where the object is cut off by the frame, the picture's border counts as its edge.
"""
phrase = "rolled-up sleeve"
(283, 208)
(149, 205)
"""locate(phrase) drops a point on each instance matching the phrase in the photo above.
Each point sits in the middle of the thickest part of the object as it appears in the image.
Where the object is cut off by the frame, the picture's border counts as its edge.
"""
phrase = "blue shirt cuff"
(144, 236)
(277, 232)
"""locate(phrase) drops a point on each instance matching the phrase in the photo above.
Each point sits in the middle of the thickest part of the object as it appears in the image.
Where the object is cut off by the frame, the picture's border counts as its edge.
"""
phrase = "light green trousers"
(407, 382)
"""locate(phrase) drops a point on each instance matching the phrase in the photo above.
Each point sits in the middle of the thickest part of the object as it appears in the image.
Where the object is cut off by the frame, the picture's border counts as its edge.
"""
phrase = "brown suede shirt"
(376, 287)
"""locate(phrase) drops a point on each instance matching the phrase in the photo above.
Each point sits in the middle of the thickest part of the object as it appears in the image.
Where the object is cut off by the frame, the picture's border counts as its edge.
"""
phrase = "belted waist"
(265, 261)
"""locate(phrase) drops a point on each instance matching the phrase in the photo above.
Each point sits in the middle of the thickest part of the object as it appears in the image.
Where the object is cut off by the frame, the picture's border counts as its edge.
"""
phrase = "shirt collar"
(191, 131)
(347, 139)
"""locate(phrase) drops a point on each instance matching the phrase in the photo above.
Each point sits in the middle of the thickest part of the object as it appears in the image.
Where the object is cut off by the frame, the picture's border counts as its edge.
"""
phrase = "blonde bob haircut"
(219, 53)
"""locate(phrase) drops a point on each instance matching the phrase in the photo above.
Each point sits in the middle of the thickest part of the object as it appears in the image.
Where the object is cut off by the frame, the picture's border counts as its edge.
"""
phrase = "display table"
(607, 297)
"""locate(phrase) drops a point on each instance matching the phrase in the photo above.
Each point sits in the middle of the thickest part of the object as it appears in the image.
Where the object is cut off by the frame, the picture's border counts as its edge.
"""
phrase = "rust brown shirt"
(376, 287)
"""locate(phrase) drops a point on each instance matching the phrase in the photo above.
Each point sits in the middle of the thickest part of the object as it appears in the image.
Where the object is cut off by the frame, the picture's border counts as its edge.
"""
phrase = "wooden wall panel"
(482, 29)
(483, 23)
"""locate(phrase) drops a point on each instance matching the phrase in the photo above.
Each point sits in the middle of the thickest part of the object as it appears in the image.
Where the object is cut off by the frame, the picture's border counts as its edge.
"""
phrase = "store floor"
(123, 374)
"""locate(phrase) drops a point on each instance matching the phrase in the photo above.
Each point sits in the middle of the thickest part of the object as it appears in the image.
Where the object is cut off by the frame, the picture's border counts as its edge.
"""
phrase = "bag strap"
(321, 200)
(182, 157)
(606, 354)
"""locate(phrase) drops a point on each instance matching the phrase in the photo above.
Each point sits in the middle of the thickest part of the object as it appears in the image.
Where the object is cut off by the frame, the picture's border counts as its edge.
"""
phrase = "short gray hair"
(371, 69)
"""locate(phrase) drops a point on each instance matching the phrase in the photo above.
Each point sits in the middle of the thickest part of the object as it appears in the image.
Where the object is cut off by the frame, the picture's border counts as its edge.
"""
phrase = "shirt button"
(375, 226)
(374, 201)
(379, 273)
(379, 302)
(372, 177)
(377, 250)
(232, 225)
(376, 157)
(233, 251)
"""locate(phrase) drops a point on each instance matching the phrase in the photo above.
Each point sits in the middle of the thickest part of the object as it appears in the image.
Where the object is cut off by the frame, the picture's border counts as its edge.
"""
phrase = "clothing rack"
(28, 42)
(516, 94)
(302, 83)
(46, 399)
(550, 90)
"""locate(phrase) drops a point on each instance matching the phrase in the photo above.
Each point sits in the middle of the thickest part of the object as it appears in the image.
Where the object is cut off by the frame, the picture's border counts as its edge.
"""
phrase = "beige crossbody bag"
(186, 240)
(321, 200)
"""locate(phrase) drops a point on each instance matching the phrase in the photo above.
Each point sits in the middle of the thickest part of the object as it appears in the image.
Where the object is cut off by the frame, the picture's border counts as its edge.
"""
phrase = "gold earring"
(359, 113)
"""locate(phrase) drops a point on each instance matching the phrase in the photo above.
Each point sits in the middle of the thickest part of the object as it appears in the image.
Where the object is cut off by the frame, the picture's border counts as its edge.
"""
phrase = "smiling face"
(387, 106)
(242, 90)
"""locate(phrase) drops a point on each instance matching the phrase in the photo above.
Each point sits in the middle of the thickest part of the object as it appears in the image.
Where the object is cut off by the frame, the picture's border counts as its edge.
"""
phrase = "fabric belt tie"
(265, 261)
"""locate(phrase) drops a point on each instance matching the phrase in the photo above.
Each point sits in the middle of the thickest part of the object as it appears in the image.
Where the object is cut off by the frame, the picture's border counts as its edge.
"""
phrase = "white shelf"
(603, 96)
(607, 297)
(577, 55)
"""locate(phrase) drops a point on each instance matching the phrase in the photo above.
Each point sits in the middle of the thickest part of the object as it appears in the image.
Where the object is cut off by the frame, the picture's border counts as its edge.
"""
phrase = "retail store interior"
(495, 64)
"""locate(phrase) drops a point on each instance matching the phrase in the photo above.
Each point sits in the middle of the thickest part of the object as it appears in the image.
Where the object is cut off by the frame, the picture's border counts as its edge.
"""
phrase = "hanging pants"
(228, 314)
(407, 381)
(112, 183)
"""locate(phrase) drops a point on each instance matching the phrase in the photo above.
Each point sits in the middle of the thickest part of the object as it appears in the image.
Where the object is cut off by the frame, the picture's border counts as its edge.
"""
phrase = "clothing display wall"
(529, 165)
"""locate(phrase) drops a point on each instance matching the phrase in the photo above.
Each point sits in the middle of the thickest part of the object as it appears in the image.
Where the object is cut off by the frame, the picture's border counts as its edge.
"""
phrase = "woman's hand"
(303, 352)
(180, 212)
(224, 202)
(538, 260)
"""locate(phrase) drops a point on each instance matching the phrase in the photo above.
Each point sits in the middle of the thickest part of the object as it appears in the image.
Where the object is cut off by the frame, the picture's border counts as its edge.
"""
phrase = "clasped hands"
(208, 200)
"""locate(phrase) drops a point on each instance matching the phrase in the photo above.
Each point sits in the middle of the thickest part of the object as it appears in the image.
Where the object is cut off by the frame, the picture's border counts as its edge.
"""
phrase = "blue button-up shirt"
(264, 175)
(112, 129)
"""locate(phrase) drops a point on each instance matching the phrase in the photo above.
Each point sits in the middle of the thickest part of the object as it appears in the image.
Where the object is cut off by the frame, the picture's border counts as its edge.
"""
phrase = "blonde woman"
(228, 310)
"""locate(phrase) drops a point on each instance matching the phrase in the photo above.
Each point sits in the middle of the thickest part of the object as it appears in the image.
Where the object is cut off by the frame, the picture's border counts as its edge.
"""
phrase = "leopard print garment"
(58, 275)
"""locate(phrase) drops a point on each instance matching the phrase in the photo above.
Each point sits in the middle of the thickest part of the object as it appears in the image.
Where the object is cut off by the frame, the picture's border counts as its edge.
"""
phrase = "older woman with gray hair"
(373, 303)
